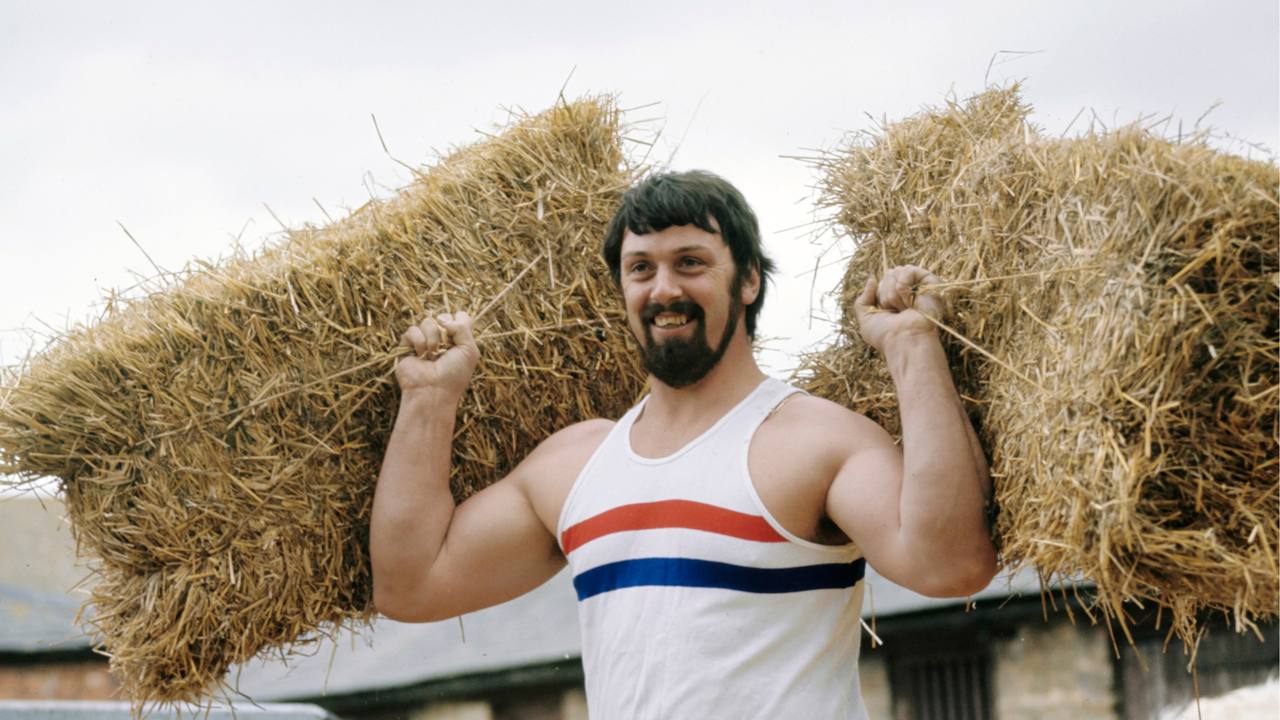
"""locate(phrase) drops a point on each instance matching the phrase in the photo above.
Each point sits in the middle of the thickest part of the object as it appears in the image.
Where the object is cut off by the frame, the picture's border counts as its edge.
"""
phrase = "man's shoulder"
(570, 447)
(802, 418)
(804, 410)
(547, 475)
(588, 432)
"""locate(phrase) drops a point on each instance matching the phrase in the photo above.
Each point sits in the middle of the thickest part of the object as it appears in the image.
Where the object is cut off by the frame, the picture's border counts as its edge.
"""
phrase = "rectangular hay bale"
(218, 440)
(1120, 293)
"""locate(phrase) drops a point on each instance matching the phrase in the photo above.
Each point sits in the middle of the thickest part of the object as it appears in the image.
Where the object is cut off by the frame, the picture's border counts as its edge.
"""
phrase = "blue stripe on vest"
(683, 572)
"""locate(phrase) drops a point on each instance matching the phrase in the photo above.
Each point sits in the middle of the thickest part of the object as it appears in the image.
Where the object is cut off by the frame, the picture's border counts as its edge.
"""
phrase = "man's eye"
(690, 262)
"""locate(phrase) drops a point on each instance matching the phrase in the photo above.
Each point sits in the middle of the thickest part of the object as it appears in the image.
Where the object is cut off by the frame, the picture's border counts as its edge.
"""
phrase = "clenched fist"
(432, 370)
(889, 311)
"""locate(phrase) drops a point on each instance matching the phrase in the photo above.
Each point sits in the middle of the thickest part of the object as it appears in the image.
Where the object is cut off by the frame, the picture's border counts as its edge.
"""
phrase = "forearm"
(413, 505)
(946, 484)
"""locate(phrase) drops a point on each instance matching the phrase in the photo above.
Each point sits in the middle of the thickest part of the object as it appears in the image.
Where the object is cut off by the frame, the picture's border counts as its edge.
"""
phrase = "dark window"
(951, 686)
(939, 673)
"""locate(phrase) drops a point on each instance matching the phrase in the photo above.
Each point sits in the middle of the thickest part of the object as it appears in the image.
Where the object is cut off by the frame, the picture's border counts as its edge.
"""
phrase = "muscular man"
(718, 532)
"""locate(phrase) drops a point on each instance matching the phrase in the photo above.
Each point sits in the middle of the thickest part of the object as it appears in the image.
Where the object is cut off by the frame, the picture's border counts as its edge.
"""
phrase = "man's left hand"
(889, 310)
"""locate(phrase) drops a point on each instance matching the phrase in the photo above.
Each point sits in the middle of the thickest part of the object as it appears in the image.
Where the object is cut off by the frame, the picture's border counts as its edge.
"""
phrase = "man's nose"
(666, 286)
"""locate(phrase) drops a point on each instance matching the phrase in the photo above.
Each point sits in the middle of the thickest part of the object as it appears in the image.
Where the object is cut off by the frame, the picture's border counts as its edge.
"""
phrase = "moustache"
(689, 309)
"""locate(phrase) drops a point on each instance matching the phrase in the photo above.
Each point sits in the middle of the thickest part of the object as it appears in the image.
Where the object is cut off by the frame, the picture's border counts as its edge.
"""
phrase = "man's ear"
(751, 287)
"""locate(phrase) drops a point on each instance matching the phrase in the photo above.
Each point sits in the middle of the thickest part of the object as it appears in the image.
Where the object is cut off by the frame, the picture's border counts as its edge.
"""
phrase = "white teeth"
(675, 321)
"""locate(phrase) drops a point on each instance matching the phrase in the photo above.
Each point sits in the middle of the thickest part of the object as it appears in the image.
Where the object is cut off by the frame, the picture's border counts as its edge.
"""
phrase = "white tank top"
(694, 602)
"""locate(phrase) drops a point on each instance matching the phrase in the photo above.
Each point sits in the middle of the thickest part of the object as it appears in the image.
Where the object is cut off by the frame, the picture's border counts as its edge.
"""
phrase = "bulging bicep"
(864, 501)
(496, 549)
(502, 542)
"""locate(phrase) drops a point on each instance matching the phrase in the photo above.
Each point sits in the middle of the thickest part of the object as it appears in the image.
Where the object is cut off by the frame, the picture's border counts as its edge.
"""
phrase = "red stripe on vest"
(670, 514)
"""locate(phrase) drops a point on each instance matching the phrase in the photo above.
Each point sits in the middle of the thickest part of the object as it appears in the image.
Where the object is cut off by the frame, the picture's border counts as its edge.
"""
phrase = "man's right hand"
(434, 371)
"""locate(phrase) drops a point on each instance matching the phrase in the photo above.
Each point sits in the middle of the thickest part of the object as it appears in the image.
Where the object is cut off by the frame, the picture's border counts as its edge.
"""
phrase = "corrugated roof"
(890, 599)
(540, 627)
(38, 622)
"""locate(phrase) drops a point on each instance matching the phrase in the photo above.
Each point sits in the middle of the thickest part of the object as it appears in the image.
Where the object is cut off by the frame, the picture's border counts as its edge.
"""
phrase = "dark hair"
(693, 198)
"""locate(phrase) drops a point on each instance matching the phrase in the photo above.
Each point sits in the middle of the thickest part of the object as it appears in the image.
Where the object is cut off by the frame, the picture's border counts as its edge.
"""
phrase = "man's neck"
(695, 408)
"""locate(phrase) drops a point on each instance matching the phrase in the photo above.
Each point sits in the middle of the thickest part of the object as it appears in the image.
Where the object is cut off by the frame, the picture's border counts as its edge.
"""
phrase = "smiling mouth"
(671, 317)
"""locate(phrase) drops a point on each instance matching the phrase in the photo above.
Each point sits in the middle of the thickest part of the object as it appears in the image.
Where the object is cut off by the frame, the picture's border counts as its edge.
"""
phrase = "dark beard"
(680, 362)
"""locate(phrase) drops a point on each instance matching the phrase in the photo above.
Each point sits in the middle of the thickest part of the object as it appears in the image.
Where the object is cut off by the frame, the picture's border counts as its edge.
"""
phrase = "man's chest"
(791, 474)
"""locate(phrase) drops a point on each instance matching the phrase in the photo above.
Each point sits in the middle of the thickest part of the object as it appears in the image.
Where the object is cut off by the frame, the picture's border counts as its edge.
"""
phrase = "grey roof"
(37, 569)
(537, 628)
(889, 599)
(70, 710)
(32, 621)
(37, 551)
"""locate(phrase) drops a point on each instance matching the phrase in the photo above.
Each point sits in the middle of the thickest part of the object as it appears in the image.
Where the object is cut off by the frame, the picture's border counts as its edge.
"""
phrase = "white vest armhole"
(851, 548)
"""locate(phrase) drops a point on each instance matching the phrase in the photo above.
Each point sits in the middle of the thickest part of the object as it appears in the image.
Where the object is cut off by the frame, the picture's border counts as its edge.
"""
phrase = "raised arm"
(430, 560)
(918, 515)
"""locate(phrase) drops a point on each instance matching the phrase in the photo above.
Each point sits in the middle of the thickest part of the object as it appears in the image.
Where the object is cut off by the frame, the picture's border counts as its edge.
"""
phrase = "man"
(717, 532)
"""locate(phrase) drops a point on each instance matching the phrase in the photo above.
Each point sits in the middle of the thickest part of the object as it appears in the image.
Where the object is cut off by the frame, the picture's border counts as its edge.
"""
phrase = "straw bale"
(1124, 381)
(218, 440)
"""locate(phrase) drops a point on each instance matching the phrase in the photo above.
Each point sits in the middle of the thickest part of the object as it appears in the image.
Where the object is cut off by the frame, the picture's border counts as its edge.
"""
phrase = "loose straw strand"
(986, 354)
(560, 326)
(511, 284)
(975, 281)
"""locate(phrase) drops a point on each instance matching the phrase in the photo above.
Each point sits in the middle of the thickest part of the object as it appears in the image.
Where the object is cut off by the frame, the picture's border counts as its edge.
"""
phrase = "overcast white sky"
(181, 123)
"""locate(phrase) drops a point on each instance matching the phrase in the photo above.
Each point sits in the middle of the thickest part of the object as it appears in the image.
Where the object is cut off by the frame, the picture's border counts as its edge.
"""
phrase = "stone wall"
(58, 681)
(1054, 671)
(570, 704)
(454, 711)
(573, 706)
(873, 671)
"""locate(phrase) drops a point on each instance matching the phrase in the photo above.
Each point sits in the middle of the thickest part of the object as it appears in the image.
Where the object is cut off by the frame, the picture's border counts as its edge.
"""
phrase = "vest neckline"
(626, 435)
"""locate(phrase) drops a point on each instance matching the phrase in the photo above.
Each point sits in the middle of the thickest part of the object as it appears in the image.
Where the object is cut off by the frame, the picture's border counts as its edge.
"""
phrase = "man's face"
(684, 300)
